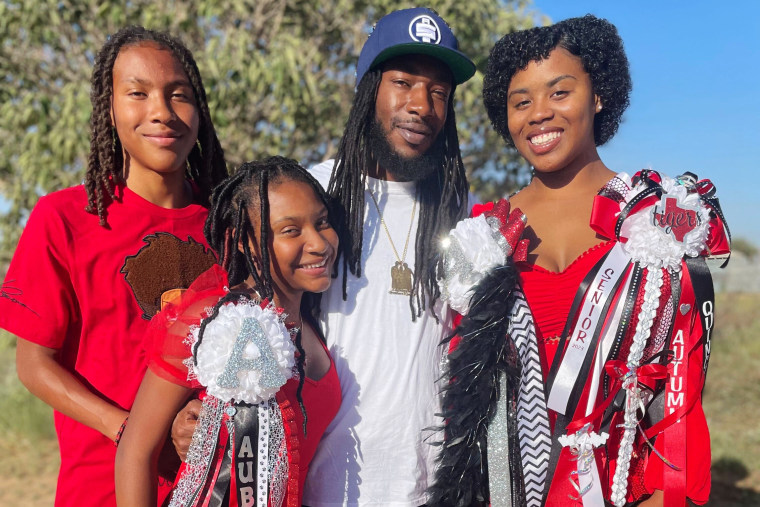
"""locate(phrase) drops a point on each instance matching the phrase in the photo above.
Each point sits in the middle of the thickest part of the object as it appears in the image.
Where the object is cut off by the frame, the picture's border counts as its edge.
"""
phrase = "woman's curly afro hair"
(595, 41)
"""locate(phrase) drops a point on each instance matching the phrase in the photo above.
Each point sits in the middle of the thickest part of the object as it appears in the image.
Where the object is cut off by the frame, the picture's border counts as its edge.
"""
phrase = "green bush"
(22, 415)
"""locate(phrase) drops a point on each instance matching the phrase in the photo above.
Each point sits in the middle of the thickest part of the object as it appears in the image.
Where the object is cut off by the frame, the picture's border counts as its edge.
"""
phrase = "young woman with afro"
(609, 318)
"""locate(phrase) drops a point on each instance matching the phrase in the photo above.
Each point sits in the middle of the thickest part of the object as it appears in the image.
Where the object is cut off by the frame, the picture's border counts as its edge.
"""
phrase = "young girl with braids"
(608, 327)
(245, 338)
(94, 260)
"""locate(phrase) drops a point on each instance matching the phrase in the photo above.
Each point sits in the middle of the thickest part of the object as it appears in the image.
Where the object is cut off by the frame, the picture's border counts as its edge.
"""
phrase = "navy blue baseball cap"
(417, 31)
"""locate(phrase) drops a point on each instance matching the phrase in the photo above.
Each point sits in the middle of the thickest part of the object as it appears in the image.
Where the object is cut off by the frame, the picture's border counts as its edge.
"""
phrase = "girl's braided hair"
(205, 163)
(234, 203)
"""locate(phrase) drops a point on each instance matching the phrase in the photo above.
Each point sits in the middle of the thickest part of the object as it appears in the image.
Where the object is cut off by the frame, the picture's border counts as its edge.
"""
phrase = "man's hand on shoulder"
(184, 426)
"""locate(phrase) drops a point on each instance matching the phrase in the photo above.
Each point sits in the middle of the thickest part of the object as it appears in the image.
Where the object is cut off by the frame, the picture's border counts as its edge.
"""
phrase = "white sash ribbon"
(603, 350)
(579, 342)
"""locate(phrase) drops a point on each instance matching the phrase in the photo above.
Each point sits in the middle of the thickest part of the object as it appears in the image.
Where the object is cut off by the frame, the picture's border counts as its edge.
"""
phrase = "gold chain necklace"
(401, 275)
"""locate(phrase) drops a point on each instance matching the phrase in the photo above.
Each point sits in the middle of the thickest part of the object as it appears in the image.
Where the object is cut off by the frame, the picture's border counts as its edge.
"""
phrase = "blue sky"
(695, 104)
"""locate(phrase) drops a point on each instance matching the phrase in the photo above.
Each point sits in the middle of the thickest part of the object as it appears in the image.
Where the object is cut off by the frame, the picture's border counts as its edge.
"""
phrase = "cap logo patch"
(425, 29)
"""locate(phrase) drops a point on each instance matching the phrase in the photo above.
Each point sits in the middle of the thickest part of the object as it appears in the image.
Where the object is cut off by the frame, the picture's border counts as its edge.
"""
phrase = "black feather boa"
(469, 399)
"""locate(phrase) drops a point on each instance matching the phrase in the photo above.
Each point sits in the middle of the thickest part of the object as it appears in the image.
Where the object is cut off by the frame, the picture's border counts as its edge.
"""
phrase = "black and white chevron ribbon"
(532, 415)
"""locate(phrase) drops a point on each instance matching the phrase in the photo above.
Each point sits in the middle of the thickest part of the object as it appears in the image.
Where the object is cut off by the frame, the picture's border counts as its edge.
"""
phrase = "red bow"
(618, 370)
(718, 240)
(511, 225)
(605, 213)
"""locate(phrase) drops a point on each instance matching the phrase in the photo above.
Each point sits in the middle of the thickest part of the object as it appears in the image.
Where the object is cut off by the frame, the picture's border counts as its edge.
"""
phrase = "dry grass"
(28, 471)
(28, 449)
(732, 401)
(29, 455)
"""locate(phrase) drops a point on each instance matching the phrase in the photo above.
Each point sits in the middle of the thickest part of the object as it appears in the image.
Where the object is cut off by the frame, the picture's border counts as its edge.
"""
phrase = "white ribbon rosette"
(650, 244)
(476, 246)
(470, 252)
(246, 353)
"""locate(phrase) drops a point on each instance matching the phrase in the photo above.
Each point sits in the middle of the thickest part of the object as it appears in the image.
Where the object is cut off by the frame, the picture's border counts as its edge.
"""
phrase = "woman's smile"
(552, 107)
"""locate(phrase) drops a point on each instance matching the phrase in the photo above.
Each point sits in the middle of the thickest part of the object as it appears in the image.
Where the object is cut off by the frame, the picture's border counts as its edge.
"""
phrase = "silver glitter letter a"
(265, 364)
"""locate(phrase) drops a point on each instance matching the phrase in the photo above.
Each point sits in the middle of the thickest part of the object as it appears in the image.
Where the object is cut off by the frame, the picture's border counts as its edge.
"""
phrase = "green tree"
(744, 247)
(279, 76)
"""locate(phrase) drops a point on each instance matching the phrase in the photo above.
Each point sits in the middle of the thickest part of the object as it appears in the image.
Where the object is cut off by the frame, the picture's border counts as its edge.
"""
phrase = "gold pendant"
(401, 279)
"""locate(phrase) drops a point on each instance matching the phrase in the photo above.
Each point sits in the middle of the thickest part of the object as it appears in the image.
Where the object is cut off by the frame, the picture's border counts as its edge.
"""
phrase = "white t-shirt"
(376, 451)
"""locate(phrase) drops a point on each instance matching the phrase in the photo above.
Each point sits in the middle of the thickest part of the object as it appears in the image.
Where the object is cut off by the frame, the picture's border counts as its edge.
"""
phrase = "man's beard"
(402, 168)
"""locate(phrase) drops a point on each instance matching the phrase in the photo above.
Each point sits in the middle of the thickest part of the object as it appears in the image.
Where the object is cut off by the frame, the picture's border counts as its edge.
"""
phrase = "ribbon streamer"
(498, 452)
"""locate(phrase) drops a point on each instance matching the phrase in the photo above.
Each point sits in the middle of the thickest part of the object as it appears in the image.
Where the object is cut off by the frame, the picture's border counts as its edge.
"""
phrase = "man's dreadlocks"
(442, 195)
(105, 164)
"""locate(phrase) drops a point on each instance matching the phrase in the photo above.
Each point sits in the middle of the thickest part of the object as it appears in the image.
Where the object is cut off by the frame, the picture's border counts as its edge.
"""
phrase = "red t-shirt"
(89, 291)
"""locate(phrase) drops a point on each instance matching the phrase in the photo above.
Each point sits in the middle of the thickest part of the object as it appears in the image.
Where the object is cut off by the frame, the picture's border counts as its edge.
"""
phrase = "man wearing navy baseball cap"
(399, 181)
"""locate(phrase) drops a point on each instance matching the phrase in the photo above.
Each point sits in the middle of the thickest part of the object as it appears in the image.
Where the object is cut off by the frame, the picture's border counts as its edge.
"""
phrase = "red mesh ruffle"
(166, 339)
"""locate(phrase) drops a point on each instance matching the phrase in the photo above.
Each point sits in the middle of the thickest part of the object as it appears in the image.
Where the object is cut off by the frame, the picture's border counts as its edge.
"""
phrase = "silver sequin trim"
(200, 454)
(278, 457)
(262, 483)
(498, 453)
